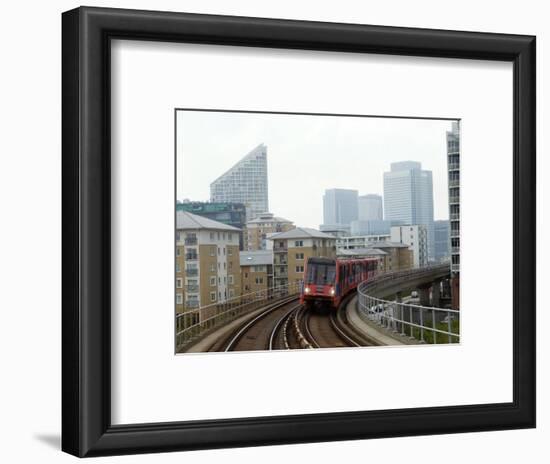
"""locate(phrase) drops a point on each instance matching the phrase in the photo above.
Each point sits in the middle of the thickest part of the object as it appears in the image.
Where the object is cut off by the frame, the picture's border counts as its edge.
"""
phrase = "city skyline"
(367, 144)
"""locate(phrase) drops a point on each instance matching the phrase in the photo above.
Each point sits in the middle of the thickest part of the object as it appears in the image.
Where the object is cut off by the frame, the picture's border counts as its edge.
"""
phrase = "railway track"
(331, 330)
(287, 325)
(261, 332)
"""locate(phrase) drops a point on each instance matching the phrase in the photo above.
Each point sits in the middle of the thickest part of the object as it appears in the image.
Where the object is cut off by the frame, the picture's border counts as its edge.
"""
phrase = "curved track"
(261, 332)
(287, 325)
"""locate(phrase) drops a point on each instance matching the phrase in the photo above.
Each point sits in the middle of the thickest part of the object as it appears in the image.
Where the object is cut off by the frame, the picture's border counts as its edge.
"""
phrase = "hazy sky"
(308, 154)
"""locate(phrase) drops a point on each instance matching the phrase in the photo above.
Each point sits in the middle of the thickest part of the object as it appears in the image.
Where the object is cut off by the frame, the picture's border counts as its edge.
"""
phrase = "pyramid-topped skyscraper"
(245, 182)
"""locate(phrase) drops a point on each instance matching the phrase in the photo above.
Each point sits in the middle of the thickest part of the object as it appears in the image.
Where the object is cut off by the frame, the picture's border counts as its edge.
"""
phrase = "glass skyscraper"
(340, 207)
(370, 207)
(245, 182)
(408, 197)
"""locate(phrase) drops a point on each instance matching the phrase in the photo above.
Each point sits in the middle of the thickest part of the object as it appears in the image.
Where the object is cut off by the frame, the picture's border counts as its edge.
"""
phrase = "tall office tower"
(339, 207)
(453, 164)
(245, 182)
(370, 207)
(408, 197)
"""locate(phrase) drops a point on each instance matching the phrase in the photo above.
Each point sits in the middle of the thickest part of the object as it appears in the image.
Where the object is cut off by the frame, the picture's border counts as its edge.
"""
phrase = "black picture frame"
(86, 224)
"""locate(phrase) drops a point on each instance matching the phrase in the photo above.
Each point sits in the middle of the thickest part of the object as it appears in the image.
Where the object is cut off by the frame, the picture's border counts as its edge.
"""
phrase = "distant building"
(370, 207)
(337, 230)
(442, 240)
(256, 271)
(360, 241)
(291, 250)
(453, 164)
(408, 197)
(246, 183)
(340, 207)
(257, 230)
(391, 256)
(207, 262)
(372, 227)
(232, 214)
(416, 237)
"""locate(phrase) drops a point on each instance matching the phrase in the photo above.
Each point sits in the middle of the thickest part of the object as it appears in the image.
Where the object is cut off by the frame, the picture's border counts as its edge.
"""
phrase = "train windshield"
(321, 274)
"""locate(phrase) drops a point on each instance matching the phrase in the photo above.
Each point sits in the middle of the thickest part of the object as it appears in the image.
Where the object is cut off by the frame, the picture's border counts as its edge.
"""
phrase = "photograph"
(307, 231)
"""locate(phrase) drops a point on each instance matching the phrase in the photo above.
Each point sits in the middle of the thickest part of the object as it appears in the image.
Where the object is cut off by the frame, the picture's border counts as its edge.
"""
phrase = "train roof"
(319, 260)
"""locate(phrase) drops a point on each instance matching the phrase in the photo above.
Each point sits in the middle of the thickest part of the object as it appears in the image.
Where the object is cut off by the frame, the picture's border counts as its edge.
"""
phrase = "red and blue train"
(327, 280)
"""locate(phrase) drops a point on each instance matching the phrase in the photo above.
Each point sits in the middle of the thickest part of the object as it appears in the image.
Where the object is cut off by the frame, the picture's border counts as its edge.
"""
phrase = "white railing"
(424, 323)
(194, 324)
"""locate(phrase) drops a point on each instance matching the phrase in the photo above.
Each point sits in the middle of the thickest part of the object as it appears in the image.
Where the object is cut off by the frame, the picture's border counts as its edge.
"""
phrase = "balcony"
(454, 216)
(280, 248)
(454, 182)
(192, 288)
(190, 240)
(190, 304)
(192, 272)
(454, 166)
(191, 256)
(454, 199)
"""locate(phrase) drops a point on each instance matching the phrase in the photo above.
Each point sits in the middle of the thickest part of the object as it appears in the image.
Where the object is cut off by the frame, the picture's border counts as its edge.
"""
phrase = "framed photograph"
(285, 231)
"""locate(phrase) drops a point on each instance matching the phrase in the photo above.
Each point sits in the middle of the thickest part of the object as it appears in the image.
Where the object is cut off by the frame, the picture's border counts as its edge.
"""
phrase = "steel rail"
(279, 323)
(238, 335)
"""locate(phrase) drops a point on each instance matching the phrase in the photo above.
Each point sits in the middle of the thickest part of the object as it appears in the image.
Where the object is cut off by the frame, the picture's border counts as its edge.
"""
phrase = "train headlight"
(307, 290)
(332, 291)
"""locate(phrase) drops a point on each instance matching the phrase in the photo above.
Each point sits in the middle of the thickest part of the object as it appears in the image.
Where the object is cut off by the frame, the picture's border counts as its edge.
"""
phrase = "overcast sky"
(308, 154)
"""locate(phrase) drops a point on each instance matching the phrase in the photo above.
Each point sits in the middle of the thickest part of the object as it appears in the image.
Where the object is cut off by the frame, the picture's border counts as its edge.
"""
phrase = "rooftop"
(190, 221)
(268, 217)
(256, 258)
(362, 252)
(388, 244)
(301, 232)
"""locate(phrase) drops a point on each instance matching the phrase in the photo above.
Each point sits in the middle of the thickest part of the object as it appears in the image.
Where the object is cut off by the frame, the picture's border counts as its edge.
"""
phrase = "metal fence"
(424, 323)
(194, 324)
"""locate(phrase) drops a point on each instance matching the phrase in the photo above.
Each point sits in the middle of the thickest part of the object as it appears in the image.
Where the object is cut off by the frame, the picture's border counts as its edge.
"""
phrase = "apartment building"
(258, 230)
(256, 271)
(207, 262)
(416, 237)
(291, 250)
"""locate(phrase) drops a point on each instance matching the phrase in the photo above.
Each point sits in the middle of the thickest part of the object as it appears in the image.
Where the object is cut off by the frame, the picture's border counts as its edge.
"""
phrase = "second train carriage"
(328, 280)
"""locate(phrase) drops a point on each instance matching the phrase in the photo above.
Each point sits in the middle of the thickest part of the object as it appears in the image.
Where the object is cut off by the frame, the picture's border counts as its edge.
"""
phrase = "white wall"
(30, 189)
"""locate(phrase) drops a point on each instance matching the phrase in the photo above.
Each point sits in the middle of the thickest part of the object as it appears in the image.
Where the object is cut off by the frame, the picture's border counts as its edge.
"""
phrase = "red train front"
(328, 280)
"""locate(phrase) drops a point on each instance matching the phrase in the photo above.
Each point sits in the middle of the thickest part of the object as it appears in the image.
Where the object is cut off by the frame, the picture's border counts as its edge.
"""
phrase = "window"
(224, 251)
(212, 296)
(212, 251)
(179, 283)
(246, 275)
(218, 251)
(299, 243)
(211, 235)
(299, 268)
(231, 293)
(178, 267)
(230, 280)
(212, 281)
(224, 280)
(177, 251)
(179, 298)
(259, 280)
(230, 251)
(212, 267)
(299, 256)
(224, 266)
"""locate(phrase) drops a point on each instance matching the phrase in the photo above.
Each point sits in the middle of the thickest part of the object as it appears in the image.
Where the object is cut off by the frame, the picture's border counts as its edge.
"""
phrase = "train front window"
(321, 274)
